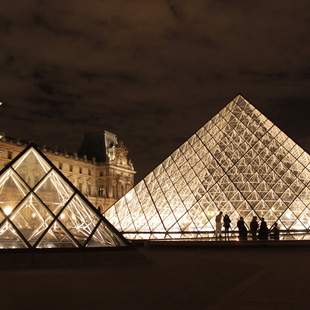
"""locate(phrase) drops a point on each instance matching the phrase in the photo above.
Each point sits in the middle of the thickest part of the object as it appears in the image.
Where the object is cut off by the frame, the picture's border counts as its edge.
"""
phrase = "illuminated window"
(101, 191)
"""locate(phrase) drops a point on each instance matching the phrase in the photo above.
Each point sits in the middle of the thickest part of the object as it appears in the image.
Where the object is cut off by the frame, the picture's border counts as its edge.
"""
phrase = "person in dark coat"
(275, 232)
(243, 232)
(263, 230)
(254, 228)
(227, 222)
(218, 225)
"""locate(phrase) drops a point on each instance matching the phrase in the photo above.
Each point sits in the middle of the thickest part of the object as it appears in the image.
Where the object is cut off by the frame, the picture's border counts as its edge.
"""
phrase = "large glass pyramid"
(40, 208)
(239, 162)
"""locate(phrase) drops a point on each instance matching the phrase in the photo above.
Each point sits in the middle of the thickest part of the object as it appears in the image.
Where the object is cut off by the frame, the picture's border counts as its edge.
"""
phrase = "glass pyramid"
(40, 208)
(239, 163)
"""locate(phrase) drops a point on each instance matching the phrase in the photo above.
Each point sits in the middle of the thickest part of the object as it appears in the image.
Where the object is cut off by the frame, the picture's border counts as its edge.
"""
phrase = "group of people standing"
(257, 231)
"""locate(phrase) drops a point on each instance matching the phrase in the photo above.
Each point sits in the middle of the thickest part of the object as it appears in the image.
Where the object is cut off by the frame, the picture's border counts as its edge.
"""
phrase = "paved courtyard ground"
(169, 277)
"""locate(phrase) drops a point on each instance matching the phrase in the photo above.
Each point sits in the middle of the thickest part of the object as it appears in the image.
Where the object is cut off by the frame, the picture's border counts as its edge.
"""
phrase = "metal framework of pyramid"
(239, 163)
(40, 208)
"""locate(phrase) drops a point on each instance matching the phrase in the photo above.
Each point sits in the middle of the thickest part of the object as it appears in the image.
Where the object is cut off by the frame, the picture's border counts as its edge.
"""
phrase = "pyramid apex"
(241, 101)
(239, 96)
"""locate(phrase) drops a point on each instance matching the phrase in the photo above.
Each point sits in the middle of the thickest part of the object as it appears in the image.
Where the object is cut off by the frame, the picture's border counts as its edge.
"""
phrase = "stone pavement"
(246, 277)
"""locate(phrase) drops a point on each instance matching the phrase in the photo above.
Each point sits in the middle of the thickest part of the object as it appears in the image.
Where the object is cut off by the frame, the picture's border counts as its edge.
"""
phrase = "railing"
(210, 236)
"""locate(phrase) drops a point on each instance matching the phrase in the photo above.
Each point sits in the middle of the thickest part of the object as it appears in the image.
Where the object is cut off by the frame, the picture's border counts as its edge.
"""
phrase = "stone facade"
(102, 182)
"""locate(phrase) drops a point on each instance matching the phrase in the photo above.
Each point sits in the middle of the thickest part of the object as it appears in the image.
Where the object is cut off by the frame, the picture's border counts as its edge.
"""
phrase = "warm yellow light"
(7, 210)
(62, 216)
(210, 213)
(129, 195)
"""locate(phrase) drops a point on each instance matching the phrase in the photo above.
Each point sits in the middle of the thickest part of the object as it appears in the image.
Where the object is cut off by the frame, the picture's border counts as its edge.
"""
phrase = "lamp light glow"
(7, 210)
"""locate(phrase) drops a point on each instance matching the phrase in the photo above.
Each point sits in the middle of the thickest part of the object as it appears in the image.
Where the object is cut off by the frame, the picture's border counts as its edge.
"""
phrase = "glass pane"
(155, 223)
(31, 218)
(31, 167)
(239, 163)
(56, 237)
(305, 218)
(125, 218)
(103, 237)
(111, 213)
(12, 191)
(9, 239)
(54, 191)
(186, 223)
(31, 214)
(297, 207)
(79, 219)
(2, 217)
(288, 218)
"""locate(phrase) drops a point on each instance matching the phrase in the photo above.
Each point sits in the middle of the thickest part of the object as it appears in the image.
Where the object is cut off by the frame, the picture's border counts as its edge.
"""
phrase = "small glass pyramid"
(239, 163)
(40, 208)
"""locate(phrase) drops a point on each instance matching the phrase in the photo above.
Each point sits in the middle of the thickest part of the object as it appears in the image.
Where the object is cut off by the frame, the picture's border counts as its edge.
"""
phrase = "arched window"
(120, 189)
(88, 189)
(114, 191)
(101, 191)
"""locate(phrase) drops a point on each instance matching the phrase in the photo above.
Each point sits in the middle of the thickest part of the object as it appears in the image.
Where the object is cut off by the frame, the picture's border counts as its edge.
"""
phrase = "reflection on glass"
(54, 192)
(79, 219)
(12, 191)
(39, 208)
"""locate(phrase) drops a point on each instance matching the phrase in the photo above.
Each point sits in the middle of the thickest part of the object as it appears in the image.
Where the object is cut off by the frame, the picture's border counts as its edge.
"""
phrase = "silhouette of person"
(275, 232)
(254, 228)
(218, 225)
(263, 230)
(243, 232)
(227, 222)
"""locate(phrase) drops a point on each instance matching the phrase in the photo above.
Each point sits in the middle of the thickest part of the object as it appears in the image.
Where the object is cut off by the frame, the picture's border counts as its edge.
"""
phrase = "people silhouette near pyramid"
(218, 225)
(263, 230)
(254, 227)
(227, 222)
(243, 232)
(275, 233)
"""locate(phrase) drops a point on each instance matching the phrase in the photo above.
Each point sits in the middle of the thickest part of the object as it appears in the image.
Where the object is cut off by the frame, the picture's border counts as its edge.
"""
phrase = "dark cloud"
(152, 71)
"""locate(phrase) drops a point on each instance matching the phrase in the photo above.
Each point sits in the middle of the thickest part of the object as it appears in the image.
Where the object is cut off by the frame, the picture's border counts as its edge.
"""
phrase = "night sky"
(153, 72)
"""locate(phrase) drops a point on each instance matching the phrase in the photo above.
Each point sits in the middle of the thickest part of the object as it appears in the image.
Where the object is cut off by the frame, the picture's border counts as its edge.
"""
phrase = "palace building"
(239, 163)
(101, 170)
